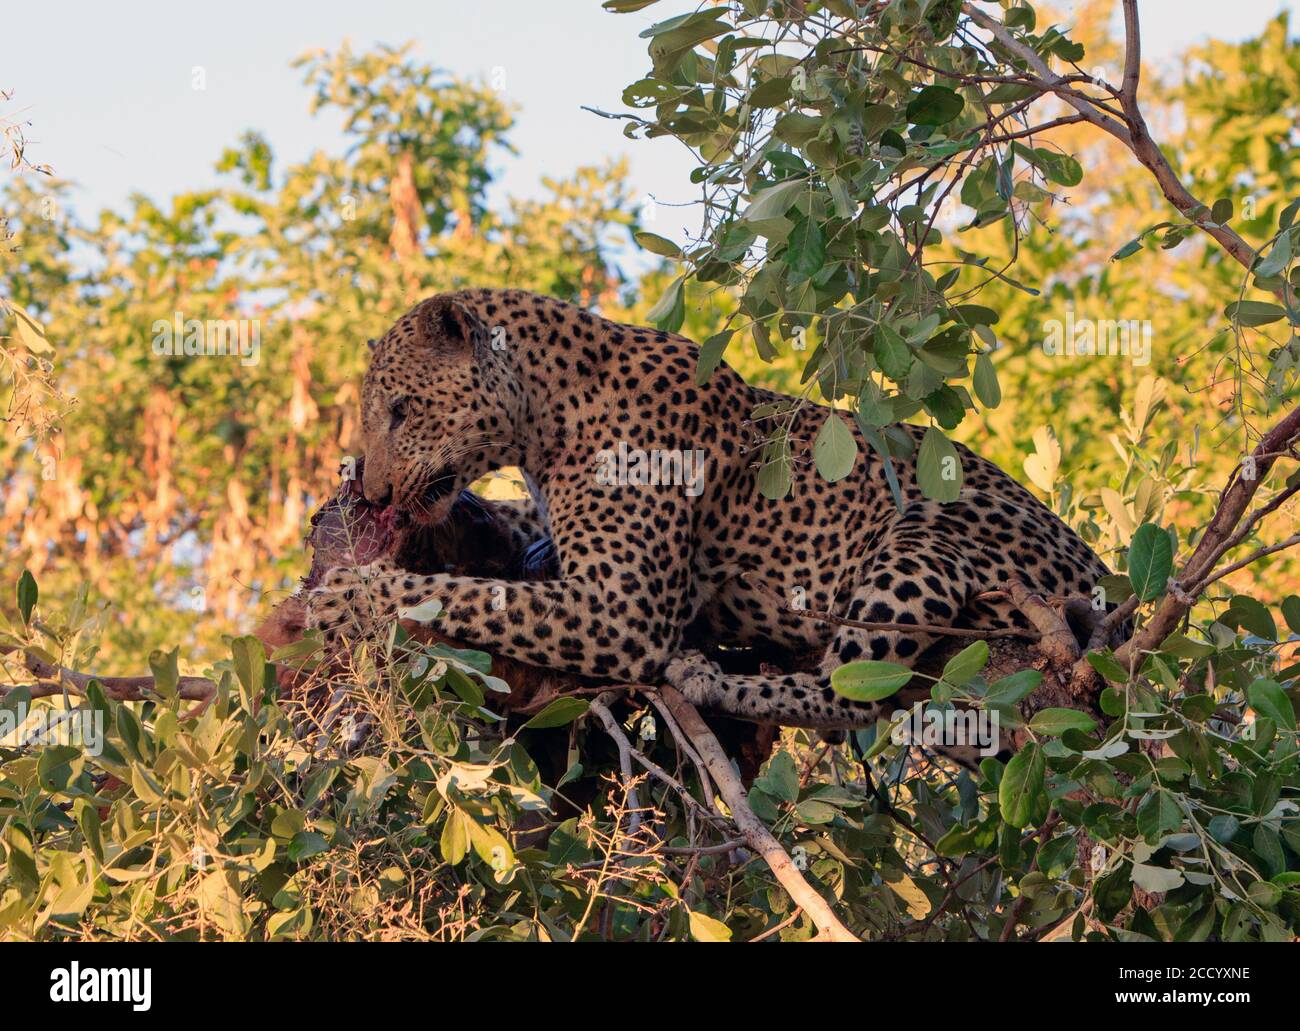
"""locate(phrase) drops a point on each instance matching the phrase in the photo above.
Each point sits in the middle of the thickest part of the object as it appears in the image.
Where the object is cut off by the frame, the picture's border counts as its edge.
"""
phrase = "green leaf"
(775, 201)
(780, 779)
(934, 105)
(1128, 250)
(892, 354)
(304, 648)
(1055, 722)
(58, 767)
(27, 595)
(966, 663)
(875, 438)
(985, 382)
(946, 405)
(16, 699)
(1221, 212)
(1011, 689)
(1156, 878)
(805, 251)
(711, 352)
(558, 713)
(656, 244)
(89, 822)
(1277, 259)
(1105, 664)
(425, 612)
(705, 928)
(31, 334)
(1060, 168)
(166, 675)
(774, 477)
(1268, 698)
(845, 205)
(1150, 561)
(1254, 313)
(836, 448)
(306, 844)
(1041, 467)
(453, 843)
(770, 93)
(1223, 828)
(250, 664)
(72, 900)
(869, 680)
(667, 308)
(938, 468)
(1254, 616)
(1291, 612)
(812, 811)
(1268, 846)
(1158, 815)
(1022, 787)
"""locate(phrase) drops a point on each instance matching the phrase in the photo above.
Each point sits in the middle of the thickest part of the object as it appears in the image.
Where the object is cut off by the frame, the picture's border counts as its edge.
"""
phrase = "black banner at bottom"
(139, 983)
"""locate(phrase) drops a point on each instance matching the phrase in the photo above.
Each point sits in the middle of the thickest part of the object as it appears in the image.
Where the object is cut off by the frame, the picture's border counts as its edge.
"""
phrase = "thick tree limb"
(54, 680)
(756, 833)
(1197, 571)
(1057, 642)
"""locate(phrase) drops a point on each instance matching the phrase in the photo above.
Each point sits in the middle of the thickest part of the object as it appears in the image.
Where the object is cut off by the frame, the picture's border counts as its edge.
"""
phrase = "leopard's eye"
(397, 410)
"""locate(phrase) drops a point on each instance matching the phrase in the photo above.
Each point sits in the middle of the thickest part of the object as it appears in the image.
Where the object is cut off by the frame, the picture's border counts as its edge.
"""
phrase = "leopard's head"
(435, 409)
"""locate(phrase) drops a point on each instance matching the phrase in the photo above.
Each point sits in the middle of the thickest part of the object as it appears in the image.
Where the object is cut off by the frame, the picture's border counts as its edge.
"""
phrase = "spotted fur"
(476, 380)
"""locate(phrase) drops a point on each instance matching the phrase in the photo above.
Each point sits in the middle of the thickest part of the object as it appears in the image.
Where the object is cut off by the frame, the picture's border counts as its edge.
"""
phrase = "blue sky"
(108, 86)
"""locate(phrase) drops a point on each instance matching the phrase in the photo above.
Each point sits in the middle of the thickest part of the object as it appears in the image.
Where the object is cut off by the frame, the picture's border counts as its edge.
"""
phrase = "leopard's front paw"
(352, 603)
(696, 677)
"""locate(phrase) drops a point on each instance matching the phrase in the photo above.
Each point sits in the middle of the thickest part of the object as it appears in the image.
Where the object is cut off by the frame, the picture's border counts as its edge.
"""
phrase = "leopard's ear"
(450, 328)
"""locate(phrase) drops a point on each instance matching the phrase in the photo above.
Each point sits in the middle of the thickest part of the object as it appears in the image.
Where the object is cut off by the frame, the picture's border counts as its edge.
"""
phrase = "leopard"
(652, 565)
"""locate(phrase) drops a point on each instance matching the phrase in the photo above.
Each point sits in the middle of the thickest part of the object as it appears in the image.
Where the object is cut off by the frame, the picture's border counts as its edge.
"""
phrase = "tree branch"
(624, 746)
(1218, 537)
(56, 679)
(1131, 130)
(760, 839)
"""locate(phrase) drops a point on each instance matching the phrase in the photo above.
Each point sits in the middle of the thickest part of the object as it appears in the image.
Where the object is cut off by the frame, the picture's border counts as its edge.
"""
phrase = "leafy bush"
(254, 816)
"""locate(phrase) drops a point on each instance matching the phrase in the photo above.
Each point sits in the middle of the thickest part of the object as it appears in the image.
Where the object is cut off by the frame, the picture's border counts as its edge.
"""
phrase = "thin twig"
(624, 761)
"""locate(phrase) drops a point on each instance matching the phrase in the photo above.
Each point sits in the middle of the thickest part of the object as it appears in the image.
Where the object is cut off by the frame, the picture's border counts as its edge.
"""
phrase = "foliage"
(252, 819)
(885, 183)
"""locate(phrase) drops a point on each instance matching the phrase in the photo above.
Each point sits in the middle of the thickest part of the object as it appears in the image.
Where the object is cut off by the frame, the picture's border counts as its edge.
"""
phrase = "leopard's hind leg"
(921, 574)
